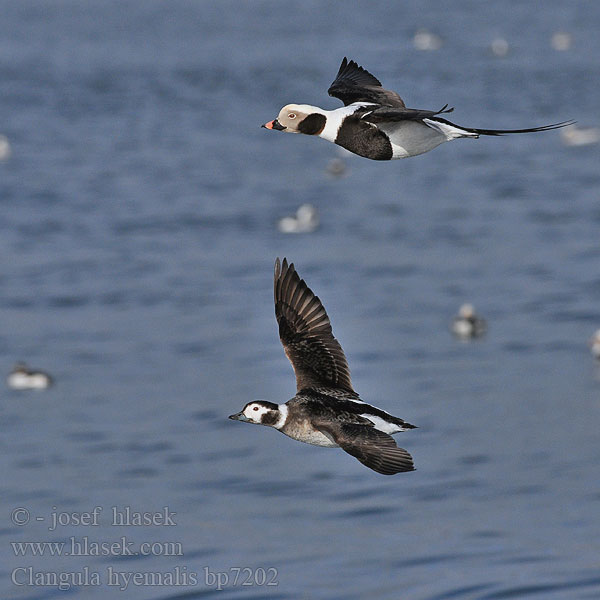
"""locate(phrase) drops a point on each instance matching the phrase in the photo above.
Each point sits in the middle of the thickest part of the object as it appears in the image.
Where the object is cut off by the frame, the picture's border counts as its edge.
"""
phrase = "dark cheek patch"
(270, 418)
(313, 124)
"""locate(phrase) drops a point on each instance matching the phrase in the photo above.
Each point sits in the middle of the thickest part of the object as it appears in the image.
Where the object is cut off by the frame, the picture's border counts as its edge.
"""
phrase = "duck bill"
(274, 124)
(239, 417)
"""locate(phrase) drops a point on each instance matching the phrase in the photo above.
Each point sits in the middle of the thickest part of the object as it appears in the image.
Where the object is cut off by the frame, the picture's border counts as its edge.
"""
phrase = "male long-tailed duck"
(326, 411)
(467, 324)
(375, 123)
(24, 378)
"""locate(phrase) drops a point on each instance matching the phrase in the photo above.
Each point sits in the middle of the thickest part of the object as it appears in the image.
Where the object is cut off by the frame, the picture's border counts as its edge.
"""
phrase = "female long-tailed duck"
(467, 324)
(375, 123)
(326, 411)
(24, 378)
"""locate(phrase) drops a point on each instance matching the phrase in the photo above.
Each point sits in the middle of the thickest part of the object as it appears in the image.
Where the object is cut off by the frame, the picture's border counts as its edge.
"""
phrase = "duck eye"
(255, 408)
(292, 116)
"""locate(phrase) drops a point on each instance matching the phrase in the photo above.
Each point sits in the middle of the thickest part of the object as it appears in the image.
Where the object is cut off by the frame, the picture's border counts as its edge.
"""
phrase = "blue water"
(138, 236)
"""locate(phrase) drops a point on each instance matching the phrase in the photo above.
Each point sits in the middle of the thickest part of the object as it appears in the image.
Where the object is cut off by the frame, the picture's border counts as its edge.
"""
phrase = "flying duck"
(375, 123)
(326, 411)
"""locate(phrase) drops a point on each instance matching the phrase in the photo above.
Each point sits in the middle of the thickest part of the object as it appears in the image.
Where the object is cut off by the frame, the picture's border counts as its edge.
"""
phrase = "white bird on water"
(594, 344)
(24, 378)
(467, 324)
(305, 221)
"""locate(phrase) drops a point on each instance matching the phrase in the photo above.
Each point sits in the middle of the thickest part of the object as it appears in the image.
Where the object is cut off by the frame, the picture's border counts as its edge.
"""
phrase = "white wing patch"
(451, 132)
(383, 425)
(355, 400)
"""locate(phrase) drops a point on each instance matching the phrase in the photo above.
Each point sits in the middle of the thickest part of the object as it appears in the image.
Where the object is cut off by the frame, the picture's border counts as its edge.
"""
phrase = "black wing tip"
(445, 110)
(350, 63)
(375, 449)
(404, 464)
(286, 276)
(404, 470)
(282, 266)
(348, 66)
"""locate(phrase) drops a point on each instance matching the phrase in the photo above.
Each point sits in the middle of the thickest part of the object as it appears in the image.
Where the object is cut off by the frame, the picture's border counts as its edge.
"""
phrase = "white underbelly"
(410, 138)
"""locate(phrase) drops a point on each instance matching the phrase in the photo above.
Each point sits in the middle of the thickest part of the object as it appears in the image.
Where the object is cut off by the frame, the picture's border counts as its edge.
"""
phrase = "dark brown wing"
(373, 448)
(355, 84)
(305, 332)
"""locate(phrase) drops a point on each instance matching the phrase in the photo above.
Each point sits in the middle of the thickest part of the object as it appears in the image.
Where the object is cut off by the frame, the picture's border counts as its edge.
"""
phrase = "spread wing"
(355, 84)
(373, 448)
(305, 332)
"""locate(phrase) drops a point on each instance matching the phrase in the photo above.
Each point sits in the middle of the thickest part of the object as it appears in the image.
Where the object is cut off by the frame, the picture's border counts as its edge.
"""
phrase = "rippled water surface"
(138, 236)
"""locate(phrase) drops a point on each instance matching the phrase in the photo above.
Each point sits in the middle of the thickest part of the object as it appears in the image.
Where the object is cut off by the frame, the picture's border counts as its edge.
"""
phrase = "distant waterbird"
(336, 167)
(594, 344)
(5, 149)
(467, 324)
(580, 136)
(24, 378)
(499, 47)
(305, 221)
(427, 40)
(561, 41)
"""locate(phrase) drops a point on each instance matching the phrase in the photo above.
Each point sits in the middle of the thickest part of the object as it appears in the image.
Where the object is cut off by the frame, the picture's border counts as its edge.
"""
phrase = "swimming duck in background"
(5, 150)
(375, 123)
(426, 40)
(336, 167)
(24, 378)
(594, 344)
(467, 324)
(305, 221)
(326, 411)
(580, 136)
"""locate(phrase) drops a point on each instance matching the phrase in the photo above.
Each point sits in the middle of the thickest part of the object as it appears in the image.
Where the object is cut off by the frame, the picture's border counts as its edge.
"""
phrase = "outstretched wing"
(305, 332)
(355, 84)
(373, 448)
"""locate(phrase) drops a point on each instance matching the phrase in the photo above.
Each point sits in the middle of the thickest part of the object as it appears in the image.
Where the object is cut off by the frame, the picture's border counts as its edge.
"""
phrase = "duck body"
(328, 419)
(24, 378)
(310, 409)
